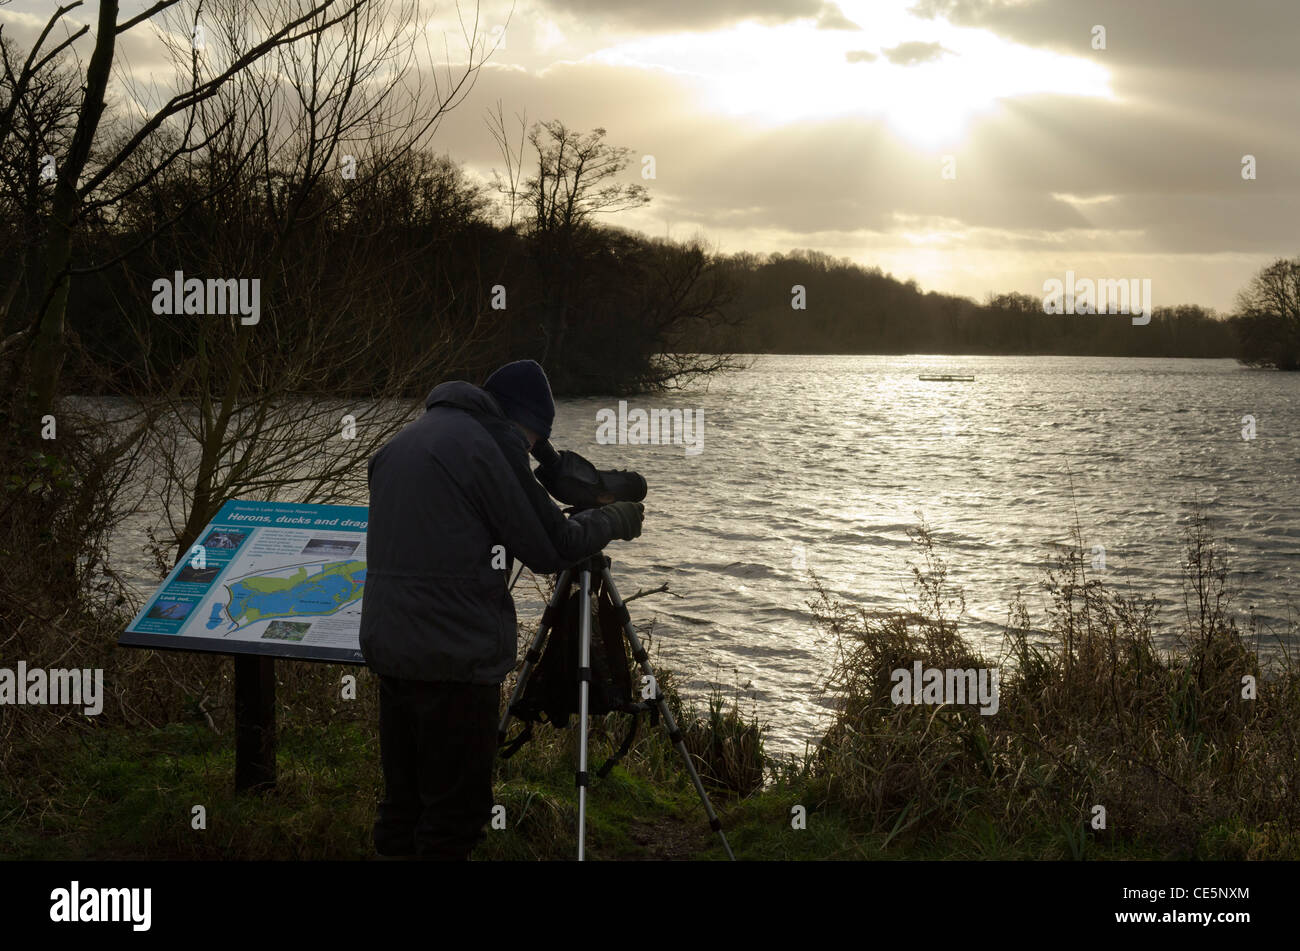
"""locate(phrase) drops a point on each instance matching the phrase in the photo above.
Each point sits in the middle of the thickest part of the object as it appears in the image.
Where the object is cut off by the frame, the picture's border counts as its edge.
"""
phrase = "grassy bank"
(1112, 739)
(1097, 708)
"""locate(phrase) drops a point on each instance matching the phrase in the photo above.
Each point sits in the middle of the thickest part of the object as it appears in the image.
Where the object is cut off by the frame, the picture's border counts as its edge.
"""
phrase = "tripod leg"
(674, 734)
(584, 683)
(534, 653)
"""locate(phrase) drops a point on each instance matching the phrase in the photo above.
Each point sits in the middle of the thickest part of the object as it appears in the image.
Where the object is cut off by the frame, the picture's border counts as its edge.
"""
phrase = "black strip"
(640, 656)
(675, 736)
(533, 656)
(584, 673)
(582, 777)
(623, 617)
(715, 825)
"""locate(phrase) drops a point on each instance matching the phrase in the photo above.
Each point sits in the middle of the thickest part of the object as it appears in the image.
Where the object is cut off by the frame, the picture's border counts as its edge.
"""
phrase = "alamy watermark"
(951, 686)
(639, 427)
(76, 904)
(1102, 296)
(219, 296)
(60, 686)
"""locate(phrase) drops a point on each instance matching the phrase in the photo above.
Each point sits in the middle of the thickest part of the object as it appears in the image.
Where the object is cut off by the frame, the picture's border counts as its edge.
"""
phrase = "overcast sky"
(780, 124)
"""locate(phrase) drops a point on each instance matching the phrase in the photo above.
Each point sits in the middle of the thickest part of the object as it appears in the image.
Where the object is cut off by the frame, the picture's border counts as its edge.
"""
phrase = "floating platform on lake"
(947, 378)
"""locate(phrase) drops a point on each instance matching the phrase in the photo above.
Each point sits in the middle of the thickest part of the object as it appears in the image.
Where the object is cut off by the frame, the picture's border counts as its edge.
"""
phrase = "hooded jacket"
(444, 492)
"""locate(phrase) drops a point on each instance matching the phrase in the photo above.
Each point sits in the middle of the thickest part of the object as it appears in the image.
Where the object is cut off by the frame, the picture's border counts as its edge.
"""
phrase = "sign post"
(254, 724)
(267, 580)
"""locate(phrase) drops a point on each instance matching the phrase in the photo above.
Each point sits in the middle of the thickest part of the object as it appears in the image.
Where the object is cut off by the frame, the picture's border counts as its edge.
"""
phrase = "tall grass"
(1096, 709)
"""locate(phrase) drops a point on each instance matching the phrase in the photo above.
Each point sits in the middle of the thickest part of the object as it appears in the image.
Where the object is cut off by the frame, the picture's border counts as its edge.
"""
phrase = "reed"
(1098, 708)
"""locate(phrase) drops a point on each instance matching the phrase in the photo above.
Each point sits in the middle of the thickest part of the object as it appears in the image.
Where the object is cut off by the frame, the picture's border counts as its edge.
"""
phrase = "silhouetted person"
(453, 501)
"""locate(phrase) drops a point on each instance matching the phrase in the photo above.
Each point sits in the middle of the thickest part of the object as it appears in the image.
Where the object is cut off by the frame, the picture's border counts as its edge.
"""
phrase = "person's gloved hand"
(627, 518)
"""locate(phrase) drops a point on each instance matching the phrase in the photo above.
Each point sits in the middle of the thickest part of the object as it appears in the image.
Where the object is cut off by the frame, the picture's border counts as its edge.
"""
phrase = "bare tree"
(645, 313)
(309, 157)
(574, 182)
(1268, 317)
(290, 128)
(76, 183)
(574, 179)
(509, 185)
(38, 108)
(1275, 290)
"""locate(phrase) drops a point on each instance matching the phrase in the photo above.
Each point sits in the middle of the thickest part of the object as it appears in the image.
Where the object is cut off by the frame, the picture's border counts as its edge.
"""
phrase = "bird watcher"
(438, 624)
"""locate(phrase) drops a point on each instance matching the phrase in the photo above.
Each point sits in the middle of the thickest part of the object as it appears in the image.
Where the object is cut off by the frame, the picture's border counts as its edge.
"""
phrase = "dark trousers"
(437, 742)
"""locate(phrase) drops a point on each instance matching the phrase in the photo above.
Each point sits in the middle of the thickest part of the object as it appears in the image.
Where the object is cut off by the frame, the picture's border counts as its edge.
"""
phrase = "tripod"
(599, 563)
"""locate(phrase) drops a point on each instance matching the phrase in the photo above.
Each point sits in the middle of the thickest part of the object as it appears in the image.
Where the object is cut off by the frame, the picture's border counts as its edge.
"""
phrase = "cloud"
(1255, 35)
(833, 18)
(668, 16)
(1032, 174)
(1144, 179)
(914, 52)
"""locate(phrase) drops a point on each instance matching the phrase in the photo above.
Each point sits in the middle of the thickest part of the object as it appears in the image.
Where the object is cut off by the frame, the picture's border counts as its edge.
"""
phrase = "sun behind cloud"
(925, 79)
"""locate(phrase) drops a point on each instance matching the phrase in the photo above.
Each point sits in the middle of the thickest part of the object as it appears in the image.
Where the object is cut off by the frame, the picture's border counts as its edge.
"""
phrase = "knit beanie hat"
(524, 394)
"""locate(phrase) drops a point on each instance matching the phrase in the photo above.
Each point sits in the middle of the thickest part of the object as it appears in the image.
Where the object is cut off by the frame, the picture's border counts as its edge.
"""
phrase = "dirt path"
(668, 840)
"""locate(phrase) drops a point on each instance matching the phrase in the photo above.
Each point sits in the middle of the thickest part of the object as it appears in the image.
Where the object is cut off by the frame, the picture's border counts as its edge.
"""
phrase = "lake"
(827, 461)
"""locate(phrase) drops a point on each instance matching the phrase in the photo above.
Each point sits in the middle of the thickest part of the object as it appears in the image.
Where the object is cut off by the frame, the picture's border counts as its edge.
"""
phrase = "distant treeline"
(421, 258)
(854, 309)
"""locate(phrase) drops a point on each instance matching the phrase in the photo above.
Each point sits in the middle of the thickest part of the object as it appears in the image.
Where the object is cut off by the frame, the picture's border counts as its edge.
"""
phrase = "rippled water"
(832, 458)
